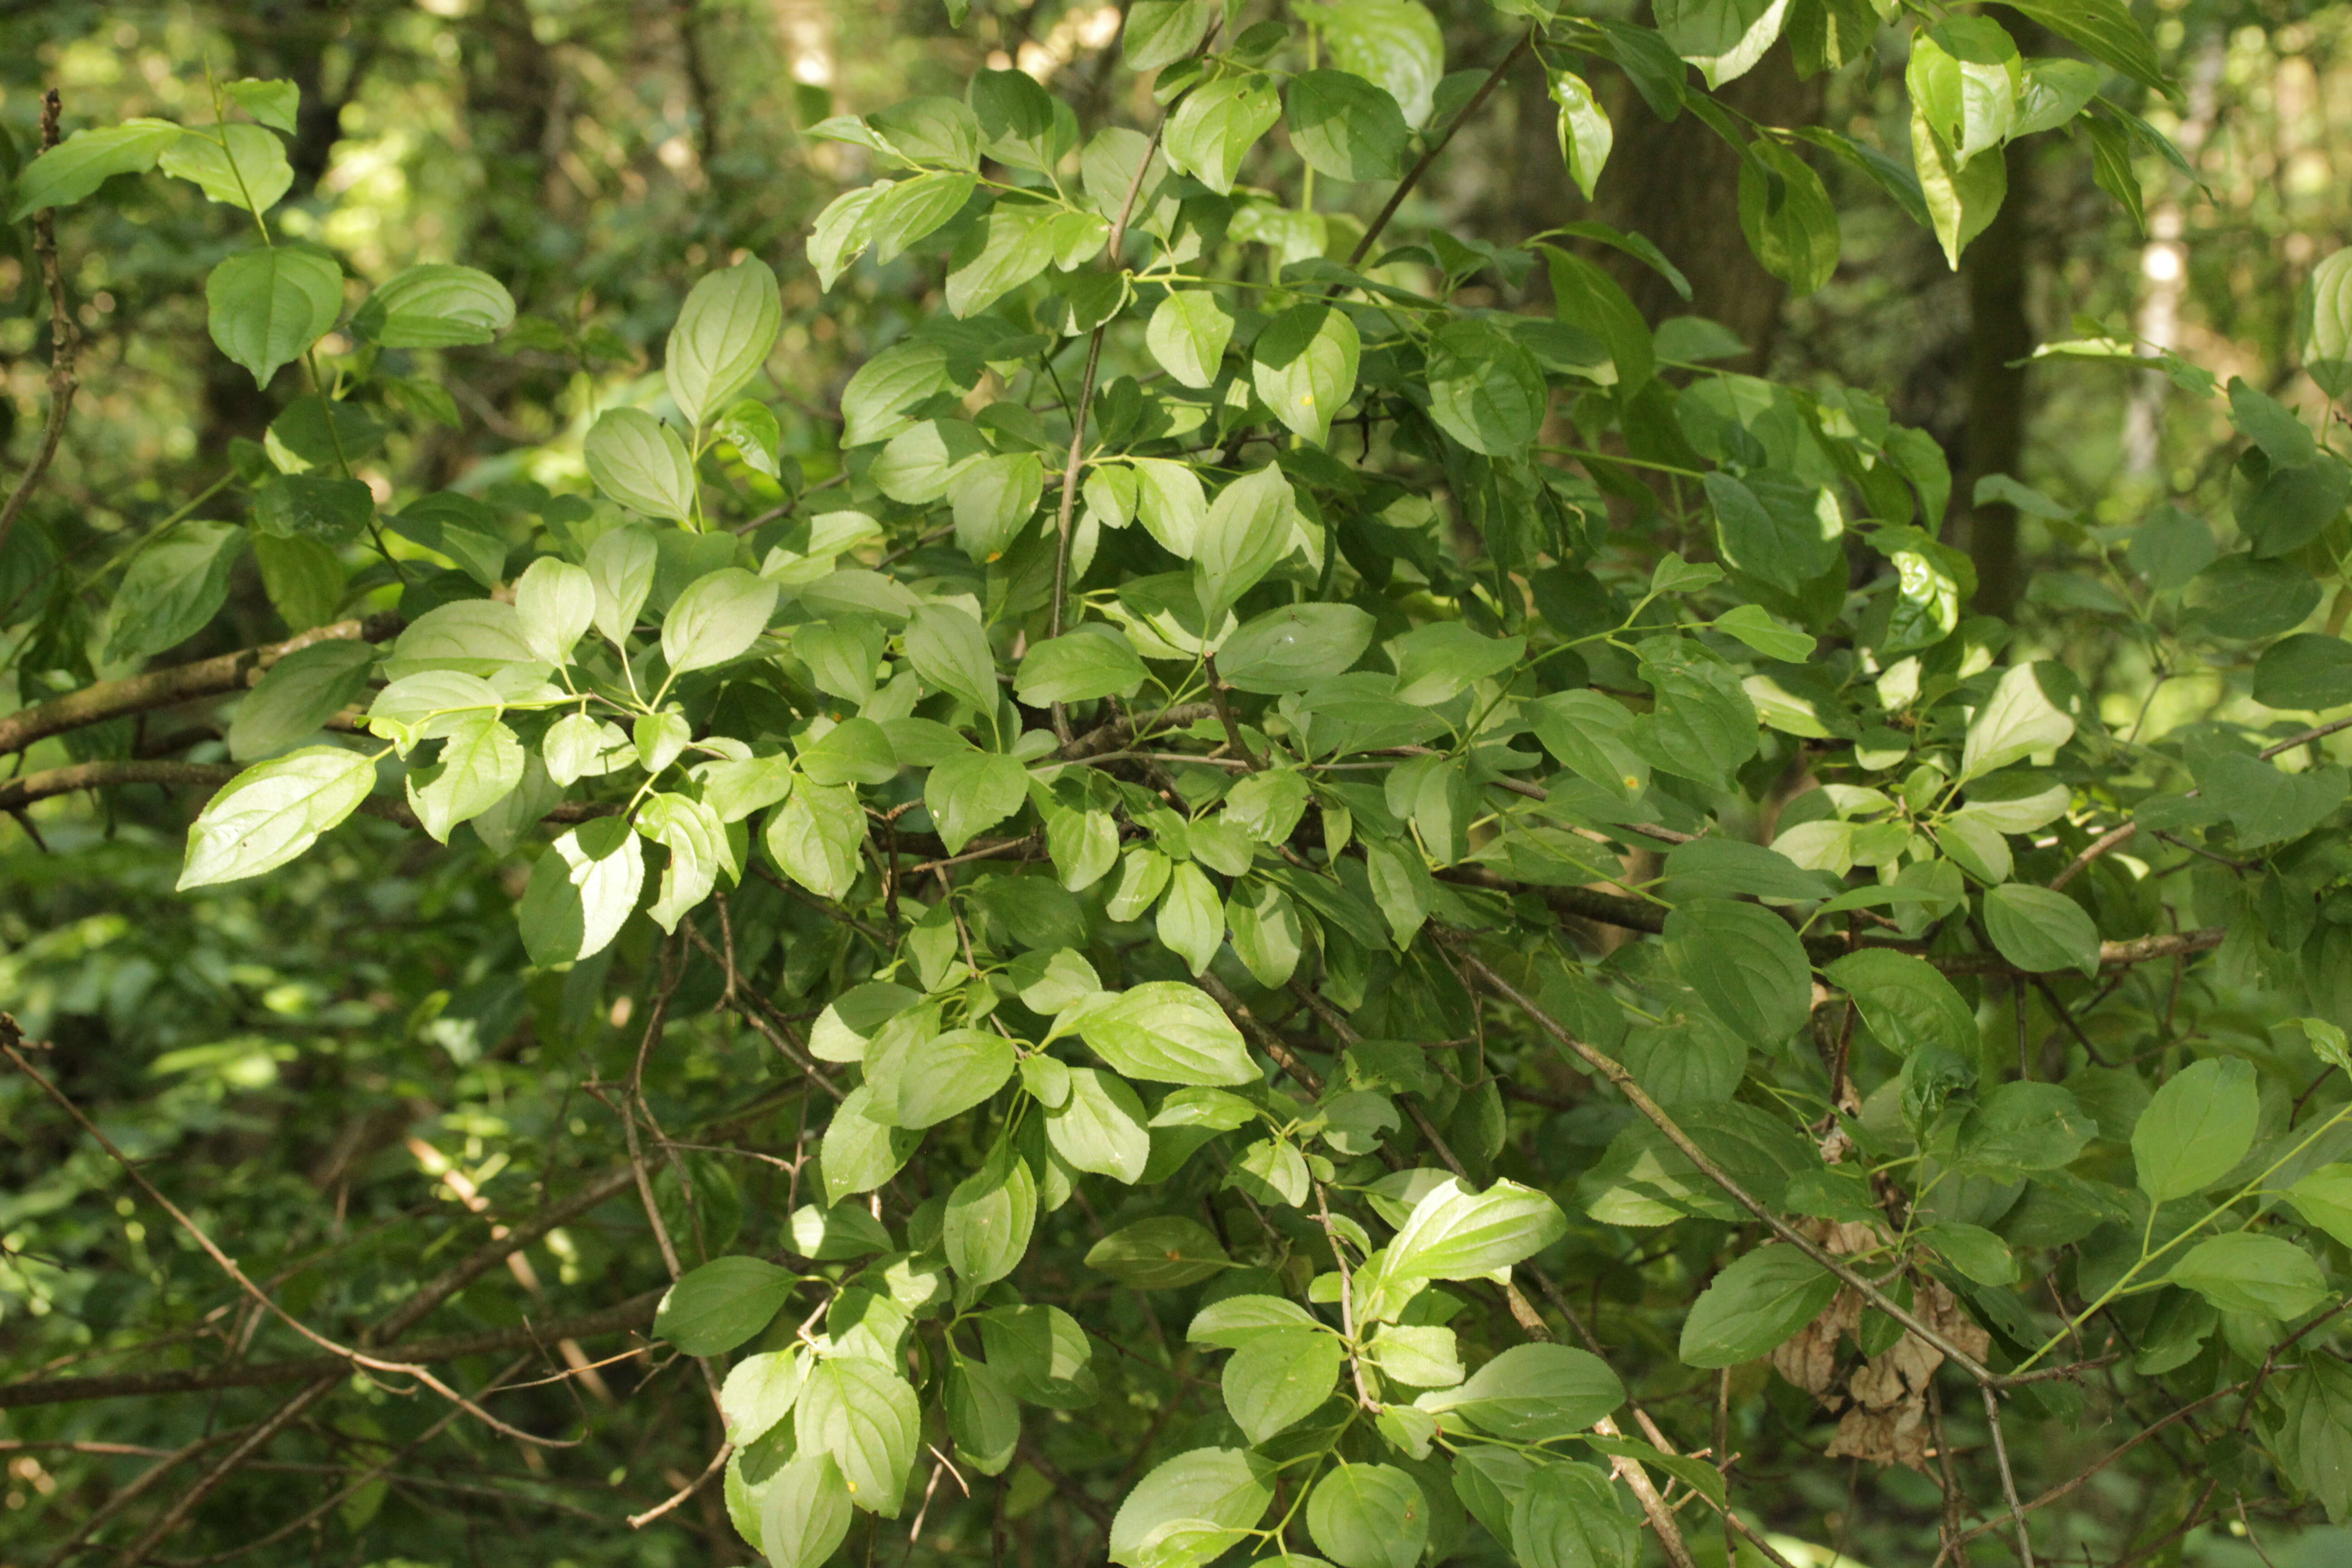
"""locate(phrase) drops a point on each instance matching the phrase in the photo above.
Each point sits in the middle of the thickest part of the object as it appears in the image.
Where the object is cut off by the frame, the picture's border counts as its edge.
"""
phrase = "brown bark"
(1997, 269)
(1678, 183)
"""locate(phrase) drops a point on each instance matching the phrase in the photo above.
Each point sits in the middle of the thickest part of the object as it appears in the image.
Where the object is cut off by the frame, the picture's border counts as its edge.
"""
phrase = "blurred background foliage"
(326, 1059)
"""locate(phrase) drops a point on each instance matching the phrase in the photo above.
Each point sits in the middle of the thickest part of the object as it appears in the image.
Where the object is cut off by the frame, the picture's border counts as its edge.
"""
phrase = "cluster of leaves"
(1209, 822)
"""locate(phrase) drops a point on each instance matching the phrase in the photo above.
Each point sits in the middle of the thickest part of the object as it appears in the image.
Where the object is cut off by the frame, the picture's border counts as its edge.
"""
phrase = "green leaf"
(724, 332)
(1166, 1032)
(1267, 936)
(1786, 534)
(751, 429)
(1485, 390)
(1190, 1509)
(989, 1218)
(1761, 1299)
(1907, 1001)
(1584, 296)
(983, 1417)
(86, 160)
(297, 695)
(2024, 1127)
(1188, 334)
(1585, 135)
(1964, 76)
(1164, 1253)
(950, 652)
(480, 764)
(1786, 212)
(2041, 930)
(304, 579)
(859, 1151)
(174, 588)
(620, 570)
(313, 507)
(1973, 1250)
(266, 306)
(950, 1073)
(815, 837)
(713, 1309)
(1161, 32)
(1962, 199)
(554, 603)
(1566, 1517)
(639, 461)
(581, 892)
(1192, 923)
(2239, 1272)
(2268, 806)
(1745, 964)
(1456, 1235)
(1395, 42)
(1100, 1127)
(2196, 1128)
(1043, 1355)
(1009, 244)
(2323, 1199)
(696, 841)
(1278, 1378)
(2017, 720)
(1303, 366)
(2323, 323)
(1534, 1394)
(759, 1392)
(1088, 661)
(2305, 671)
(1217, 125)
(269, 813)
(994, 500)
(437, 306)
(2105, 31)
(805, 1512)
(716, 619)
(245, 169)
(862, 1414)
(275, 103)
(972, 792)
(1248, 532)
(1345, 127)
(1291, 648)
(1416, 1355)
(1723, 38)
(1368, 1516)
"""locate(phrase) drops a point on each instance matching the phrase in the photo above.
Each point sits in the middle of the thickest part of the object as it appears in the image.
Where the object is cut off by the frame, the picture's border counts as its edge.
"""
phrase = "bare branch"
(179, 683)
(65, 343)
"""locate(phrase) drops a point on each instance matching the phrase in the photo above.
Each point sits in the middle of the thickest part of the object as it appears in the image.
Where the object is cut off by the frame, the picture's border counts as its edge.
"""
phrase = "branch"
(1116, 735)
(635, 1313)
(1636, 914)
(1412, 175)
(254, 1442)
(1071, 466)
(1615, 1072)
(179, 683)
(65, 343)
(19, 793)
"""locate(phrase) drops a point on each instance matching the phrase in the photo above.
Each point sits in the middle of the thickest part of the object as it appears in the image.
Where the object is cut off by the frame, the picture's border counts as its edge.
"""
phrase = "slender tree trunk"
(2164, 264)
(1678, 183)
(2000, 335)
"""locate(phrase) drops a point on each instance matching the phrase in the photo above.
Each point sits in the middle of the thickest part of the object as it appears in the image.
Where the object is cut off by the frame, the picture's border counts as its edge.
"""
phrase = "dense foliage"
(1306, 889)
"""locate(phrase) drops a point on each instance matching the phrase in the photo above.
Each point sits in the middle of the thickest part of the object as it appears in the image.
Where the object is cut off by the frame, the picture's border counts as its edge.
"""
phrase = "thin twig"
(1615, 1072)
(228, 1266)
(1412, 175)
(2007, 1476)
(1067, 513)
(65, 343)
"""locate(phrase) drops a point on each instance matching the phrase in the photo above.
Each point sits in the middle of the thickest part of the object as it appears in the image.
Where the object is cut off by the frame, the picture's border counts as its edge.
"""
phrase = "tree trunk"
(1678, 183)
(2000, 335)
